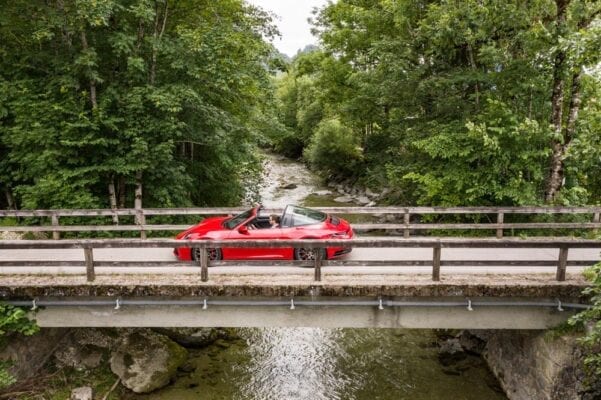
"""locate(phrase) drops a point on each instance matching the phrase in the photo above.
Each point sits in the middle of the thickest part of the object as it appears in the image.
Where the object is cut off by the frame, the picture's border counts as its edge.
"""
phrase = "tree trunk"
(157, 35)
(84, 45)
(470, 52)
(140, 220)
(10, 199)
(113, 200)
(121, 192)
(555, 179)
(138, 193)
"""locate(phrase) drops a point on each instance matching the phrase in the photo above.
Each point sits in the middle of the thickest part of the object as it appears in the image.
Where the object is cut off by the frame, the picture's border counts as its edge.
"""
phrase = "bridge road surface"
(362, 254)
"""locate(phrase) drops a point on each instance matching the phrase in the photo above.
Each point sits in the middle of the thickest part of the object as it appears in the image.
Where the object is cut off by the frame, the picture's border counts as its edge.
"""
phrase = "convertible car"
(295, 223)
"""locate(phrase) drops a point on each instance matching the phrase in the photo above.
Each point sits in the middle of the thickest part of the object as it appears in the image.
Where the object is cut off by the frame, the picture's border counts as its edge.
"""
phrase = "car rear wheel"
(212, 254)
(306, 254)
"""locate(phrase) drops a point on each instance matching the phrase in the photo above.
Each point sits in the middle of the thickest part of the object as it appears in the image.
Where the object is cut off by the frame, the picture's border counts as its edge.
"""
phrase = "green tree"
(104, 98)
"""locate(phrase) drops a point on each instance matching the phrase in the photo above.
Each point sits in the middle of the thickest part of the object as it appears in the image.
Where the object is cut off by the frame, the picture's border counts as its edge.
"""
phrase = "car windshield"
(298, 216)
(238, 219)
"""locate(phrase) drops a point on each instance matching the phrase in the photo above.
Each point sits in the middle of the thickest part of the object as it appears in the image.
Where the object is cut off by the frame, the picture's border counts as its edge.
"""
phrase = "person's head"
(274, 219)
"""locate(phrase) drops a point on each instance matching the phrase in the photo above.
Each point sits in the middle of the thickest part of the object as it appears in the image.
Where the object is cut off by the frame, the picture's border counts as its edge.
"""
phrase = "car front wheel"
(306, 254)
(212, 254)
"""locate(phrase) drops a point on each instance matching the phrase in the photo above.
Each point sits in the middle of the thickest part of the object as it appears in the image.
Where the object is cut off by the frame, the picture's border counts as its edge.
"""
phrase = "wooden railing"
(498, 224)
(88, 246)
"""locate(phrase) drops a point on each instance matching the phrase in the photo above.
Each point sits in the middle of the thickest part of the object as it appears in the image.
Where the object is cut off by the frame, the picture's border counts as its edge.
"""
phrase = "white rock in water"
(323, 193)
(82, 393)
(363, 200)
(343, 199)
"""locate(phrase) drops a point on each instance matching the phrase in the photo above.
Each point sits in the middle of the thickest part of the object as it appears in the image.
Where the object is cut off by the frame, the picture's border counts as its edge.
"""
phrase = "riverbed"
(316, 364)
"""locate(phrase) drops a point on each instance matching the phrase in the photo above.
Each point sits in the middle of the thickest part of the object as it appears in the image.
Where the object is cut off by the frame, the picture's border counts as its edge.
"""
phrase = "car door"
(257, 253)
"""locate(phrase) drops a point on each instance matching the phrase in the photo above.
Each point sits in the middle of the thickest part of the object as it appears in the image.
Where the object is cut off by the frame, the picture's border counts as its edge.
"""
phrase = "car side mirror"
(243, 230)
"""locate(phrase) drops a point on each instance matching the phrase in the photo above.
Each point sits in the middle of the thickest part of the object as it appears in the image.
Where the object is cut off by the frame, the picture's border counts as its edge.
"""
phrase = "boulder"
(146, 361)
(27, 354)
(192, 337)
(451, 352)
(471, 343)
(85, 349)
(370, 194)
(343, 199)
(82, 393)
(289, 186)
(323, 193)
(363, 200)
(80, 358)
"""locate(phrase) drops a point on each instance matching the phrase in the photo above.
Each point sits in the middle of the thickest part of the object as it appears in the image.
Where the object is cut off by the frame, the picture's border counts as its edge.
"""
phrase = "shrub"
(334, 150)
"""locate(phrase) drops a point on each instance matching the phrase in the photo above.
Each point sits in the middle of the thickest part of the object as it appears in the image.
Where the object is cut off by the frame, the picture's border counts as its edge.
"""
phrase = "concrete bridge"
(415, 282)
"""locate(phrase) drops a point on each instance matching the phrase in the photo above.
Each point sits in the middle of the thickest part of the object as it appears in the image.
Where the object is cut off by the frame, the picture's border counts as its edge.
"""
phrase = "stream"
(316, 364)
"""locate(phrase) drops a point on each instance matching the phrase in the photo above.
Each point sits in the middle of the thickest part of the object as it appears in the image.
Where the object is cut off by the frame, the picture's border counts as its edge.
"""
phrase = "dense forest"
(105, 100)
(476, 102)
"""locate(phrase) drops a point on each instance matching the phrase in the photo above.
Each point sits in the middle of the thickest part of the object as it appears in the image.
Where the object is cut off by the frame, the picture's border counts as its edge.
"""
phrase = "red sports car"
(295, 223)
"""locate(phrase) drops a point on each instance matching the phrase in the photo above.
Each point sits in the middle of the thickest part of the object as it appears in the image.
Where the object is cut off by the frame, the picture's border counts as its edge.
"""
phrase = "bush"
(334, 150)
(592, 318)
(13, 319)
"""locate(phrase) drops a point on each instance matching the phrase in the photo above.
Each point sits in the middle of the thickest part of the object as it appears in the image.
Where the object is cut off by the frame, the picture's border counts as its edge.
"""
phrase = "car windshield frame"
(294, 216)
(238, 219)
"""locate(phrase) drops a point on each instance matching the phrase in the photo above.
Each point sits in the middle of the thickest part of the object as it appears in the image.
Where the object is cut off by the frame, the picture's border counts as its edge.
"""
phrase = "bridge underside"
(458, 313)
(468, 302)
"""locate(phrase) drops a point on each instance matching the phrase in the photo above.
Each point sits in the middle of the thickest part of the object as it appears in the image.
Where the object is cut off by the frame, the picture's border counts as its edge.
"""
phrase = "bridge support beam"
(416, 317)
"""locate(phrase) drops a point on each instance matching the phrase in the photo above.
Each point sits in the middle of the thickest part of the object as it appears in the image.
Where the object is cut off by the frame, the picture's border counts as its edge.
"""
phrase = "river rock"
(85, 348)
(192, 337)
(289, 186)
(82, 393)
(450, 352)
(27, 354)
(371, 194)
(343, 199)
(146, 361)
(80, 358)
(363, 200)
(323, 193)
(471, 342)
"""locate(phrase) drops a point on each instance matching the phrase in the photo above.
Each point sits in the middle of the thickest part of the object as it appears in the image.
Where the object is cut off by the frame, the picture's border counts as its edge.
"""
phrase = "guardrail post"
(318, 257)
(89, 257)
(500, 218)
(596, 219)
(141, 220)
(562, 264)
(406, 221)
(56, 235)
(436, 263)
(203, 260)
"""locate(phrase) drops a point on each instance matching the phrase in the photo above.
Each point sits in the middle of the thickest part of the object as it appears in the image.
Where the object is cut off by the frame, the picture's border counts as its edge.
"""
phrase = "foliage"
(333, 150)
(453, 103)
(13, 320)
(592, 319)
(100, 93)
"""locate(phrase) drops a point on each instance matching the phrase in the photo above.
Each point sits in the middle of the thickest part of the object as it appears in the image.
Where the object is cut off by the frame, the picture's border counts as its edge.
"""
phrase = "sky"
(292, 22)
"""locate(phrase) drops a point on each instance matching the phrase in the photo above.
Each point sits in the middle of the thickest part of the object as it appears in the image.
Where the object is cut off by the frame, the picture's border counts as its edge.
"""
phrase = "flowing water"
(320, 364)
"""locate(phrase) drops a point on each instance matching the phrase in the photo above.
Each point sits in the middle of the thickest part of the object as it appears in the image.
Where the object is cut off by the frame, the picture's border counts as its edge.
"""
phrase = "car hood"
(208, 224)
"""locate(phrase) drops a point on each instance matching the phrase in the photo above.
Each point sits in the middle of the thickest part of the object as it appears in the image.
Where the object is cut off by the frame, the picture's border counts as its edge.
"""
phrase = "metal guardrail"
(436, 245)
(406, 226)
(380, 303)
